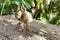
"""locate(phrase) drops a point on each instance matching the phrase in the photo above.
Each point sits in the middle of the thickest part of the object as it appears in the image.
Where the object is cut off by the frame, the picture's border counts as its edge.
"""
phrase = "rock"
(41, 31)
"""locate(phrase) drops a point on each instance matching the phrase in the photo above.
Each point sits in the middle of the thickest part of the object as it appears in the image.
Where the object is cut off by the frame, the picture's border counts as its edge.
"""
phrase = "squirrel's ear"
(18, 7)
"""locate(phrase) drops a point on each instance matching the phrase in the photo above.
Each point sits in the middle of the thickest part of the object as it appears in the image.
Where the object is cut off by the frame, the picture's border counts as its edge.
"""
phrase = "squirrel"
(25, 17)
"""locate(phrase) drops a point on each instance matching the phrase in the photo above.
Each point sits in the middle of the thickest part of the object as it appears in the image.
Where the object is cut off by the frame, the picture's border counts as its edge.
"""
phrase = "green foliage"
(27, 4)
(38, 2)
(3, 7)
(50, 16)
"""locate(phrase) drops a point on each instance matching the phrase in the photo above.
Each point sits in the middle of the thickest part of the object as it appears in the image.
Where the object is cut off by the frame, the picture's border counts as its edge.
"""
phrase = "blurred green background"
(8, 7)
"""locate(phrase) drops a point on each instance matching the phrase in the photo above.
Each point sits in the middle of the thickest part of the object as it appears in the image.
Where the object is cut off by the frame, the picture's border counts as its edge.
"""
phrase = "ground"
(41, 31)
